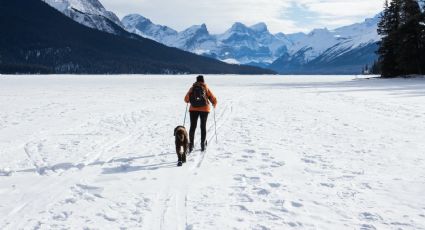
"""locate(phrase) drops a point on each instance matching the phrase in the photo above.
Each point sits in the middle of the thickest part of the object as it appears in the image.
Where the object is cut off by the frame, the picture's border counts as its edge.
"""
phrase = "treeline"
(402, 48)
(24, 69)
(375, 68)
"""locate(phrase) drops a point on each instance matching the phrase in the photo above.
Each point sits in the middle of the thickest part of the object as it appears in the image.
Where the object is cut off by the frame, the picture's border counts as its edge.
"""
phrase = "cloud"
(286, 16)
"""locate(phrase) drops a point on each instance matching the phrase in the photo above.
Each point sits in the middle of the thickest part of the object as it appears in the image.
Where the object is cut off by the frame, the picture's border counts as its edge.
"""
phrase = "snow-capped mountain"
(90, 13)
(144, 27)
(196, 39)
(329, 50)
(239, 44)
(342, 39)
(251, 45)
(255, 45)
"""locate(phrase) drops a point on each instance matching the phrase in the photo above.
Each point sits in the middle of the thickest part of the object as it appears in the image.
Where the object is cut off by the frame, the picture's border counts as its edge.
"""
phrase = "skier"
(199, 96)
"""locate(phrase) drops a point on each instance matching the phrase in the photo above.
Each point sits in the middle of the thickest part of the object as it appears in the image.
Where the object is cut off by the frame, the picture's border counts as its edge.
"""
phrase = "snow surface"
(97, 152)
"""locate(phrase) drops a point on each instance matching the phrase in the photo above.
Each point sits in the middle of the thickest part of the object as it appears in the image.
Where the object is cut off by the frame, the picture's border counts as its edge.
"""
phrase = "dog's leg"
(184, 153)
(186, 150)
(178, 149)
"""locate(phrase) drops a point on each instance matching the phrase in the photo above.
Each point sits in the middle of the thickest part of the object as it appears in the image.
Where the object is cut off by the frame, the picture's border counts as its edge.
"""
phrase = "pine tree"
(388, 29)
(422, 31)
(375, 69)
(410, 38)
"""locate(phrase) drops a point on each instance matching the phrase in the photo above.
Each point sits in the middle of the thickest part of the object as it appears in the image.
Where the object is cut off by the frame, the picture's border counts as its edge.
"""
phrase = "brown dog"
(182, 143)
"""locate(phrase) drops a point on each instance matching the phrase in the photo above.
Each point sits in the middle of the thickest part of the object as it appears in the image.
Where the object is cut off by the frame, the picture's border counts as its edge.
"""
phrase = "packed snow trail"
(306, 152)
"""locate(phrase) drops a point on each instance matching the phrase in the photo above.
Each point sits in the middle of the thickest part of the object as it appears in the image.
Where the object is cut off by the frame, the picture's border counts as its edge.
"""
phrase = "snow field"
(309, 152)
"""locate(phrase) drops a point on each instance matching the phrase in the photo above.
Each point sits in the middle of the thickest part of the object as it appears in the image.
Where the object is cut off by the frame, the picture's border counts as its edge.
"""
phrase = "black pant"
(194, 122)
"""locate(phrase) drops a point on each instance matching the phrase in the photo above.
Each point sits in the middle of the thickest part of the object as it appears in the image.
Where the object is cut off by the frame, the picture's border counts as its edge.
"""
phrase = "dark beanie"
(200, 78)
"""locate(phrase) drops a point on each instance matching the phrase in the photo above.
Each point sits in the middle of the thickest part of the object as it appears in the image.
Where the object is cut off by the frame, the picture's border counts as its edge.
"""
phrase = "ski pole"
(184, 122)
(215, 124)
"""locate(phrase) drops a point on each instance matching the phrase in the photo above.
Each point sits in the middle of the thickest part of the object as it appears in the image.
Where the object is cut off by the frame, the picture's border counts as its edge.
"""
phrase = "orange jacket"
(210, 96)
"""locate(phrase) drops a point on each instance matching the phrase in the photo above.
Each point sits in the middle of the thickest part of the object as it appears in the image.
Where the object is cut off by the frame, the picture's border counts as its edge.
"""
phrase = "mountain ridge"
(44, 40)
(255, 45)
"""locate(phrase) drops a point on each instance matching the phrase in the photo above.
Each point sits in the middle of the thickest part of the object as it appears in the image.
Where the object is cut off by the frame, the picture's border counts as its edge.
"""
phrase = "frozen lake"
(302, 152)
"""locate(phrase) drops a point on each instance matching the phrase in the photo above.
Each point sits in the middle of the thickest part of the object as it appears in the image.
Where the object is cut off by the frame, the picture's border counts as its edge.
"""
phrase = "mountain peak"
(238, 26)
(320, 31)
(135, 18)
(260, 27)
(198, 29)
(90, 13)
(373, 21)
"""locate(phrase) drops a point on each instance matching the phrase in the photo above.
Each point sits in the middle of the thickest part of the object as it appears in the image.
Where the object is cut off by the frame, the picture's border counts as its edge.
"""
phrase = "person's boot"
(203, 145)
(190, 147)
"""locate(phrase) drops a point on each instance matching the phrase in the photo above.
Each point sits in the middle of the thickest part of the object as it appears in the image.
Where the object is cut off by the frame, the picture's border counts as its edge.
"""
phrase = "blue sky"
(286, 16)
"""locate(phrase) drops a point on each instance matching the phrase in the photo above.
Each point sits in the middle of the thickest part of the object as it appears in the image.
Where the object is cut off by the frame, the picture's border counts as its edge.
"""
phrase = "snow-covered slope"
(317, 152)
(144, 27)
(255, 45)
(90, 13)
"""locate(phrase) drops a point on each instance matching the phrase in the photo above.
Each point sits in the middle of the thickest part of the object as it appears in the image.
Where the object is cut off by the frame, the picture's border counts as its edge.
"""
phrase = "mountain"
(321, 49)
(90, 13)
(196, 39)
(254, 45)
(240, 44)
(43, 40)
(331, 61)
(345, 50)
(142, 26)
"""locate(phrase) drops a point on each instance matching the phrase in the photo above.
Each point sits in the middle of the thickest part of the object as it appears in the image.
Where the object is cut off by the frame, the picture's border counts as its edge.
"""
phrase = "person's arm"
(212, 98)
(186, 98)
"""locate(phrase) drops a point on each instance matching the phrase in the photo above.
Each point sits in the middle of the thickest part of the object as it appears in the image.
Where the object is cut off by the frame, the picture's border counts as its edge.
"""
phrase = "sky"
(287, 16)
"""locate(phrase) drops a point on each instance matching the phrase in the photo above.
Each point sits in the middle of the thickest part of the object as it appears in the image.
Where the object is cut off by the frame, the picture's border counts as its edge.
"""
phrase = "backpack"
(198, 97)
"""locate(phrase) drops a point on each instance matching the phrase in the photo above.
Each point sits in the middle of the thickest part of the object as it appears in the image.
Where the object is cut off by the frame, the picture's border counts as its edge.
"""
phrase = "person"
(199, 96)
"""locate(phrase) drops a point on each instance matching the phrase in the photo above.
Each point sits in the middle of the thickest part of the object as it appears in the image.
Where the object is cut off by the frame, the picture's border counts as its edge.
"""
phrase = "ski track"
(292, 153)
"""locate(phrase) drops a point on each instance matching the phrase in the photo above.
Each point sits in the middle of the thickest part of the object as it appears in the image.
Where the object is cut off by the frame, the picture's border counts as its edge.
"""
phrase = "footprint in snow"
(242, 160)
(63, 216)
(82, 189)
(106, 217)
(329, 185)
(367, 216)
(263, 192)
(276, 164)
(268, 174)
(308, 161)
(296, 204)
(274, 185)
(367, 227)
(249, 151)
(244, 198)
